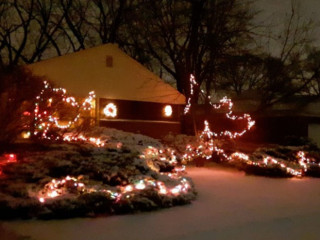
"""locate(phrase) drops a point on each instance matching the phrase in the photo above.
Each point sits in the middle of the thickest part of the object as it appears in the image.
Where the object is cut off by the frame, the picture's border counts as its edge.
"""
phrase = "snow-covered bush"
(78, 179)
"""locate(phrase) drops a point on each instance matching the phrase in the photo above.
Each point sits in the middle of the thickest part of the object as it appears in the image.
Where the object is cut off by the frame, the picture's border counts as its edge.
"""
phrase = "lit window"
(110, 110)
(167, 111)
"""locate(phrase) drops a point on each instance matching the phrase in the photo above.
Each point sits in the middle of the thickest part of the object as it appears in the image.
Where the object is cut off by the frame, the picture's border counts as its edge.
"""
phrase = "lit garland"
(223, 102)
(298, 170)
(69, 137)
(305, 162)
(71, 185)
(267, 162)
(167, 155)
(44, 121)
(192, 84)
(206, 146)
(56, 188)
(232, 135)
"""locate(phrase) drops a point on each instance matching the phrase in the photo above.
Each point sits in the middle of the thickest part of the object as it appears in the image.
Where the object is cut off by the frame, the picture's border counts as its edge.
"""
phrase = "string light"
(56, 188)
(305, 162)
(71, 185)
(224, 102)
(193, 83)
(45, 122)
(207, 147)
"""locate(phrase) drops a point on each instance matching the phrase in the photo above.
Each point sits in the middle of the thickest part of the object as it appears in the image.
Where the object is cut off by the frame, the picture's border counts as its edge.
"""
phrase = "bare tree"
(36, 29)
(28, 30)
(311, 72)
(188, 36)
(74, 28)
(15, 27)
(107, 18)
(283, 75)
(241, 73)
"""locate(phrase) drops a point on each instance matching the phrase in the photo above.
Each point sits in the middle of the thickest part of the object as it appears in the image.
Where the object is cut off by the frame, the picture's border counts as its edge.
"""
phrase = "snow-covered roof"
(110, 73)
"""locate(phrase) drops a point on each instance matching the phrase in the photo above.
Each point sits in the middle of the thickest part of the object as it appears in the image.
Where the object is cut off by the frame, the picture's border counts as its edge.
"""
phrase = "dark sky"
(308, 8)
(275, 11)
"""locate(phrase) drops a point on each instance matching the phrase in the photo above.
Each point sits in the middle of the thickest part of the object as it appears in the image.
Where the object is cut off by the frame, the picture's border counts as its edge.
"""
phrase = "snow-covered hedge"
(301, 158)
(73, 180)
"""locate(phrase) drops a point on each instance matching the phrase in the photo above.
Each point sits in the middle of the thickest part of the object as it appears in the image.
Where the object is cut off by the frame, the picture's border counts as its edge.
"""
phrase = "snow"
(230, 205)
(137, 142)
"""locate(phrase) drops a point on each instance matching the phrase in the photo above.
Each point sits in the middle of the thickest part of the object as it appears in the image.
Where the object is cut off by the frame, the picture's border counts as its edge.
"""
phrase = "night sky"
(309, 8)
(275, 10)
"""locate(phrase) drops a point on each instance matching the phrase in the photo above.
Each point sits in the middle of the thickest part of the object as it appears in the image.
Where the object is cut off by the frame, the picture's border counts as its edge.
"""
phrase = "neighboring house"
(297, 116)
(128, 96)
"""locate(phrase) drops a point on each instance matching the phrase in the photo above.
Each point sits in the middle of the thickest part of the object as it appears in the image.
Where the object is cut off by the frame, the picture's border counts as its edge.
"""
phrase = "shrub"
(18, 89)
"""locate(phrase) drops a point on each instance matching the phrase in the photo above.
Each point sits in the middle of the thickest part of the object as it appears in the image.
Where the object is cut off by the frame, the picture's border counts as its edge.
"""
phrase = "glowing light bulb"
(140, 186)
(167, 111)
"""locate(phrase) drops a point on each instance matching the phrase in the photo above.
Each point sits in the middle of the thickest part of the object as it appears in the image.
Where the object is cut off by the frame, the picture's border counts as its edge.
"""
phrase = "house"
(297, 116)
(128, 96)
(289, 121)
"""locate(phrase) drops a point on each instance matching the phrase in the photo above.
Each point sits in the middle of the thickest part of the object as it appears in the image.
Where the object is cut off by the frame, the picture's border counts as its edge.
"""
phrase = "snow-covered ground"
(230, 205)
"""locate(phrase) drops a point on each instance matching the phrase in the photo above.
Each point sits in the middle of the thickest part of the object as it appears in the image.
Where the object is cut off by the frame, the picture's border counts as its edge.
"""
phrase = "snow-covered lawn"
(230, 205)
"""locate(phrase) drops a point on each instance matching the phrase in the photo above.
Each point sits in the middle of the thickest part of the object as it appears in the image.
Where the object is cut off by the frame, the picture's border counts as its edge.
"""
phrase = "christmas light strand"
(192, 84)
(71, 185)
(44, 121)
(207, 147)
(224, 102)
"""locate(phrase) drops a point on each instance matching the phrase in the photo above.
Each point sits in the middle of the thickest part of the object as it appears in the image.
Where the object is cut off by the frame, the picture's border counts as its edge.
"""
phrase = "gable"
(110, 73)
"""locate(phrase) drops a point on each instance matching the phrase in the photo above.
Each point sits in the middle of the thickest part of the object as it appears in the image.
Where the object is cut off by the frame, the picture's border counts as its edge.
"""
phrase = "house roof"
(87, 70)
